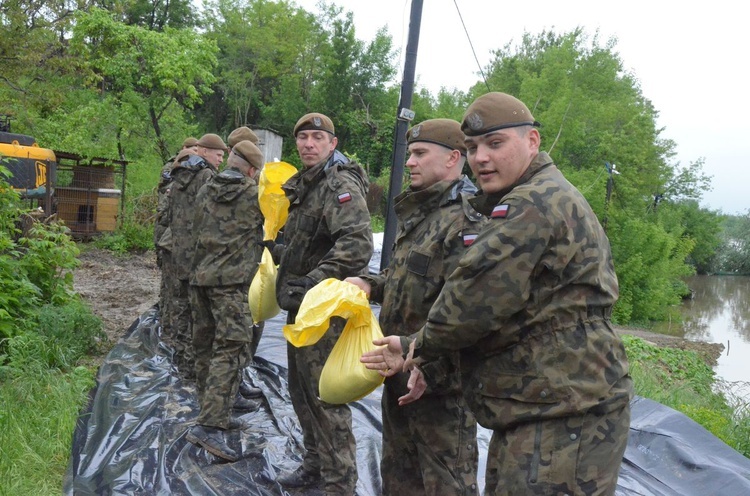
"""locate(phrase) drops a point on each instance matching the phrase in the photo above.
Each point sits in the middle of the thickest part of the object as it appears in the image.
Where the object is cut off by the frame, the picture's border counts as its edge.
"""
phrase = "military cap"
(444, 132)
(494, 111)
(241, 134)
(189, 142)
(250, 153)
(314, 121)
(213, 141)
(182, 155)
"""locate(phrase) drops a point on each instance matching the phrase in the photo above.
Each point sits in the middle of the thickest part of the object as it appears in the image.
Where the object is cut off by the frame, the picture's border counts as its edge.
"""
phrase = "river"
(719, 312)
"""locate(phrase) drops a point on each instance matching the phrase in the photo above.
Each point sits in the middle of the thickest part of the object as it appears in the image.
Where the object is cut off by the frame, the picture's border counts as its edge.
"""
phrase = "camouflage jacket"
(187, 178)
(435, 228)
(162, 202)
(529, 307)
(229, 227)
(328, 231)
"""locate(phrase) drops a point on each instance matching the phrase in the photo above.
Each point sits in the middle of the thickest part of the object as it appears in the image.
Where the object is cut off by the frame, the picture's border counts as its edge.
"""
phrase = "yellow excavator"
(33, 168)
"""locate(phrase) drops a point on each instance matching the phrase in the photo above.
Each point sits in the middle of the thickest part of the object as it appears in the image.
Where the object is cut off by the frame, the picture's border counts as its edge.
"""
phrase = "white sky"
(690, 58)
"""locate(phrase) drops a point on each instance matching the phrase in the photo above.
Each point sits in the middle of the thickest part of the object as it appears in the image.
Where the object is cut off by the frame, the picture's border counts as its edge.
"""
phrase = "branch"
(559, 131)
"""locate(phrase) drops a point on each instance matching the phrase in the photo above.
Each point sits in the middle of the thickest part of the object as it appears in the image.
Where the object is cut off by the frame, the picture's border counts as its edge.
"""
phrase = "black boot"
(249, 391)
(212, 440)
(299, 478)
(245, 405)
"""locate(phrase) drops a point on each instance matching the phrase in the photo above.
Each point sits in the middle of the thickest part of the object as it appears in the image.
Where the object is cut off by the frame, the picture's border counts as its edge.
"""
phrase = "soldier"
(247, 390)
(229, 227)
(163, 240)
(328, 234)
(429, 446)
(189, 173)
(529, 308)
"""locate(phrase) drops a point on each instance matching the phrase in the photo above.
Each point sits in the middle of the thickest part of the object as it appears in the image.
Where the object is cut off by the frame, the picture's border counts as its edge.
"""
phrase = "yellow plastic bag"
(273, 202)
(329, 298)
(344, 378)
(262, 294)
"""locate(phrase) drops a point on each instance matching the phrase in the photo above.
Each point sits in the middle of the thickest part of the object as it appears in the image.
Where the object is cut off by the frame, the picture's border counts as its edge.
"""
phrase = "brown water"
(719, 312)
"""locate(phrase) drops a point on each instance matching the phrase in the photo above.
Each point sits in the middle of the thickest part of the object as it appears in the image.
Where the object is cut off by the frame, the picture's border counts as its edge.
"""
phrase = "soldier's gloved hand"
(297, 290)
(274, 248)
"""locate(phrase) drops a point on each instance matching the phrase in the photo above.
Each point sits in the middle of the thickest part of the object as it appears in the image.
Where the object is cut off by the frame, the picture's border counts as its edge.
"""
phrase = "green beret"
(444, 132)
(241, 134)
(494, 111)
(314, 122)
(189, 142)
(250, 153)
(213, 141)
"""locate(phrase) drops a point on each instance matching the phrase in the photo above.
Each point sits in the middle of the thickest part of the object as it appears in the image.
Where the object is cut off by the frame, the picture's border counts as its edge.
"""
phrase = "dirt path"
(120, 288)
(117, 288)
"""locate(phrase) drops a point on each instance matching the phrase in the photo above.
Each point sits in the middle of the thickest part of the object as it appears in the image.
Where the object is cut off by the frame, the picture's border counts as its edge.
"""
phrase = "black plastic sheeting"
(131, 440)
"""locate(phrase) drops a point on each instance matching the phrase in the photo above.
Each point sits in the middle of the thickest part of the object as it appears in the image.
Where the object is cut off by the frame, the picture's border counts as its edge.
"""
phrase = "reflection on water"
(718, 313)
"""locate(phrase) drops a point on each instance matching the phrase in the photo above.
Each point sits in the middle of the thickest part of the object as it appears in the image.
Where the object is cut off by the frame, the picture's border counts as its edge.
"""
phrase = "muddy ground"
(120, 288)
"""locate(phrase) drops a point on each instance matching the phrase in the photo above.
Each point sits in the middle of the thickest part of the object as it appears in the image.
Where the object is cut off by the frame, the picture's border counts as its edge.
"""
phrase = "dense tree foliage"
(130, 79)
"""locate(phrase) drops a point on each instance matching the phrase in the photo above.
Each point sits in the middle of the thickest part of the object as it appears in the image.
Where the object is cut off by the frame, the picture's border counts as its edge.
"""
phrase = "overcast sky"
(690, 59)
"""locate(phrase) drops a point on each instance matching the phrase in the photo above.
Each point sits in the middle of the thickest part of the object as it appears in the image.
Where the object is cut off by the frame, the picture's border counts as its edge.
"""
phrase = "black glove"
(274, 248)
(296, 290)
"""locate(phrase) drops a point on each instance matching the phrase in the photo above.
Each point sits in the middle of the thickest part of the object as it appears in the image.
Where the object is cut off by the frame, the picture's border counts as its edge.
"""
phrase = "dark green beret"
(241, 134)
(213, 141)
(314, 122)
(250, 153)
(444, 132)
(494, 111)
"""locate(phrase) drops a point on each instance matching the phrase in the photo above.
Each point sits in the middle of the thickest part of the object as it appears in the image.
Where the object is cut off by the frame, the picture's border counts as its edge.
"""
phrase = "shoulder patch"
(469, 239)
(499, 212)
(345, 197)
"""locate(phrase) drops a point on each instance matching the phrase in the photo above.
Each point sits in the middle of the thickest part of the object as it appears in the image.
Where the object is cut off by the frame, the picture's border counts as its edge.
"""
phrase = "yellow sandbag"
(273, 203)
(262, 294)
(329, 298)
(344, 378)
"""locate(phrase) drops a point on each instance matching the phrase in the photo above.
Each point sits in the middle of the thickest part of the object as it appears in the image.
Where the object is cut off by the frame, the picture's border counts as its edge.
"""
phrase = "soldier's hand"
(387, 360)
(360, 283)
(410, 362)
(417, 386)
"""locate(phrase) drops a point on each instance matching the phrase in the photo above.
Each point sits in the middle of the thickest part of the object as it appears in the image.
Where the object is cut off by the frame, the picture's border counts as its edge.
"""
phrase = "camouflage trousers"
(578, 455)
(222, 333)
(326, 429)
(429, 446)
(167, 291)
(182, 329)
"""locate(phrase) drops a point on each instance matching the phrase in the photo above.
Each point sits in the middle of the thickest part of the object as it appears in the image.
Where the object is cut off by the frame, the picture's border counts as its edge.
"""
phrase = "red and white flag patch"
(469, 239)
(345, 197)
(499, 212)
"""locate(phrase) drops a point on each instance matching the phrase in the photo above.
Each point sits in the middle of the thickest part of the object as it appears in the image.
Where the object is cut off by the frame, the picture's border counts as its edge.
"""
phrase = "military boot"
(212, 440)
(249, 391)
(300, 478)
(245, 405)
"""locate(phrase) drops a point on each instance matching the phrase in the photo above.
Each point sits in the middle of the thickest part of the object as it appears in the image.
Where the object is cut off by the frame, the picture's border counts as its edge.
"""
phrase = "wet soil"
(120, 288)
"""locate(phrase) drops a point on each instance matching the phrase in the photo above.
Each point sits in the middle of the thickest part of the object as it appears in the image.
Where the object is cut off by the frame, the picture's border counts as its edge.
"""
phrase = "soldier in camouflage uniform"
(247, 390)
(188, 175)
(163, 241)
(429, 446)
(328, 235)
(529, 308)
(229, 228)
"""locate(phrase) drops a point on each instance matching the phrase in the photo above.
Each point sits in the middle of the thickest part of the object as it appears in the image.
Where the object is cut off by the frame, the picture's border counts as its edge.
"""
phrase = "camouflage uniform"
(429, 446)
(229, 228)
(163, 248)
(327, 234)
(529, 307)
(187, 178)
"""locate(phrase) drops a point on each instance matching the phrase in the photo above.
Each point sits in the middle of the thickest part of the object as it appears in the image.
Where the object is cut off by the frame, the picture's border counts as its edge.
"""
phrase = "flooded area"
(719, 312)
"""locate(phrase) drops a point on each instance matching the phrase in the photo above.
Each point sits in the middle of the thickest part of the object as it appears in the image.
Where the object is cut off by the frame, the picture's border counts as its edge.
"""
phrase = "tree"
(143, 73)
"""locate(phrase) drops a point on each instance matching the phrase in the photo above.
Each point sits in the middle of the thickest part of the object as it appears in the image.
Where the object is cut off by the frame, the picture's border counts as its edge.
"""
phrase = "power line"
(455, 2)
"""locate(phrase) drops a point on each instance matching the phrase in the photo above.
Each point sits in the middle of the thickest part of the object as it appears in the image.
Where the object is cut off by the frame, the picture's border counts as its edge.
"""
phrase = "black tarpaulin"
(131, 439)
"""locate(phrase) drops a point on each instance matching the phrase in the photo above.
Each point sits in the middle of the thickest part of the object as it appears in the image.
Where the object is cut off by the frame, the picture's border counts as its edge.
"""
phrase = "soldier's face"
(213, 156)
(428, 163)
(498, 159)
(314, 146)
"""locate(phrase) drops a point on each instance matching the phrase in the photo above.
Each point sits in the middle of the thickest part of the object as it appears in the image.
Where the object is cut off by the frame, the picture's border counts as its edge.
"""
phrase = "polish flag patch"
(499, 212)
(345, 197)
(469, 239)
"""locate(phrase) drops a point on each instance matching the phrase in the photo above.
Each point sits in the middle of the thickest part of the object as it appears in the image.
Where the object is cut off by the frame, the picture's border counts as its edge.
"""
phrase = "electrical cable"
(455, 2)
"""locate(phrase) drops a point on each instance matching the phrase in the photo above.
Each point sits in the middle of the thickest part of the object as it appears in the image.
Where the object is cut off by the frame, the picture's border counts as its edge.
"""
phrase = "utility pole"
(403, 117)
